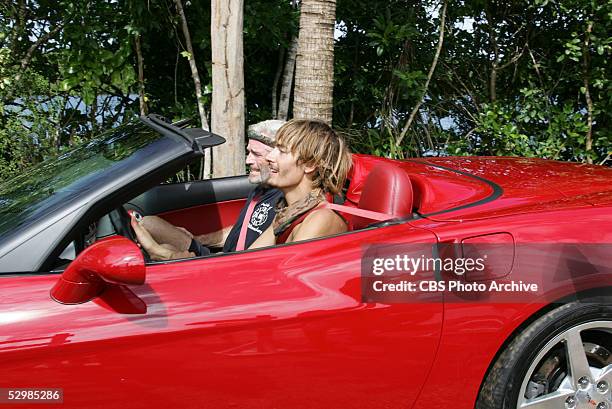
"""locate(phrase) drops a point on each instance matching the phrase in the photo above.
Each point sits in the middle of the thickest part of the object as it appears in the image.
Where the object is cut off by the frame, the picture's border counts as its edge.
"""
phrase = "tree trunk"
(432, 68)
(206, 165)
(587, 94)
(279, 71)
(141, 88)
(228, 86)
(314, 71)
(25, 61)
(356, 67)
(20, 22)
(285, 95)
(192, 64)
(93, 114)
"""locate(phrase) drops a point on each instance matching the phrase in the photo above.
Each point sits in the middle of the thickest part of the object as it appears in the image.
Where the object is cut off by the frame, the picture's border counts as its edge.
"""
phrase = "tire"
(535, 370)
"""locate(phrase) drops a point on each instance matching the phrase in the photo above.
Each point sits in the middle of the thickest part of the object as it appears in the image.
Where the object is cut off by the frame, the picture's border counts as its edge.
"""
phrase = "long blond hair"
(316, 144)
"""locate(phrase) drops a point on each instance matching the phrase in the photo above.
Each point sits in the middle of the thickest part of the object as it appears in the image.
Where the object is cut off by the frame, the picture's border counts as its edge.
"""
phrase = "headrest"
(387, 189)
(362, 166)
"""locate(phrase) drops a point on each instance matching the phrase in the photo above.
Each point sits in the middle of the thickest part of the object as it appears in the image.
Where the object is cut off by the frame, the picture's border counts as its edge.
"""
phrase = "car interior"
(209, 205)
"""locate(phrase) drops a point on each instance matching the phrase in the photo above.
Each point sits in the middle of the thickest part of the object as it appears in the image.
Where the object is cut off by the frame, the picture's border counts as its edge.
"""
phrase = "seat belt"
(245, 224)
(366, 214)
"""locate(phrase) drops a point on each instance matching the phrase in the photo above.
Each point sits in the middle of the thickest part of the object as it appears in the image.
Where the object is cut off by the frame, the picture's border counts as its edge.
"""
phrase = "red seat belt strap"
(245, 224)
(366, 214)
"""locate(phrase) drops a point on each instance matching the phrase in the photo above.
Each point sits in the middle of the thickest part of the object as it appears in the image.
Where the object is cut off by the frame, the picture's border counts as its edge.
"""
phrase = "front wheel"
(562, 360)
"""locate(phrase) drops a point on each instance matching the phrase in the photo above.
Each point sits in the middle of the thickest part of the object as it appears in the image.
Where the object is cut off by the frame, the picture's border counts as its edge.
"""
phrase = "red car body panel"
(249, 330)
(530, 185)
(286, 326)
(473, 333)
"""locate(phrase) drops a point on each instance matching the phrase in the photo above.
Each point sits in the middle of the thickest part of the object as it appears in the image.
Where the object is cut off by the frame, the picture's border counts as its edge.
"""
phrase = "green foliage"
(26, 131)
(510, 79)
(513, 78)
(533, 127)
(58, 61)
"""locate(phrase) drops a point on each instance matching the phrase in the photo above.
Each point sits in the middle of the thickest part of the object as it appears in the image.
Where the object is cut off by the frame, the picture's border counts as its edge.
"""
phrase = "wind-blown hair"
(316, 144)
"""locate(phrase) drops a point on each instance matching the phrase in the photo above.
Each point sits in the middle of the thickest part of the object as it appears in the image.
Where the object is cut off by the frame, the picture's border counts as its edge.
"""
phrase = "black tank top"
(261, 219)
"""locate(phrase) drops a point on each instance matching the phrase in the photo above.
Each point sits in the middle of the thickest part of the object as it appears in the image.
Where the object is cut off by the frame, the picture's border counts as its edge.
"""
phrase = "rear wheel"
(562, 360)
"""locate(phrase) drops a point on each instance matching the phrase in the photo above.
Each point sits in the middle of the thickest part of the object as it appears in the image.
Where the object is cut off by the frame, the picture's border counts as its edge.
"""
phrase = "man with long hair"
(309, 164)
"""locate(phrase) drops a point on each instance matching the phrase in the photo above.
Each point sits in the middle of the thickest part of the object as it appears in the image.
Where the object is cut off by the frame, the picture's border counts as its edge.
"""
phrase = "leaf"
(88, 96)
(65, 85)
(116, 78)
(186, 54)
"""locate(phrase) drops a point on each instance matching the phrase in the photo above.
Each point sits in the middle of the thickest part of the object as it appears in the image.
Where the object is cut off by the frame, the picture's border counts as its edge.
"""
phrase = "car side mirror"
(116, 260)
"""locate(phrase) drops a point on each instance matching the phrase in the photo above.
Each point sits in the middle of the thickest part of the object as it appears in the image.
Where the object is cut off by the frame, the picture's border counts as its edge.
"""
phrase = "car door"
(277, 327)
(202, 206)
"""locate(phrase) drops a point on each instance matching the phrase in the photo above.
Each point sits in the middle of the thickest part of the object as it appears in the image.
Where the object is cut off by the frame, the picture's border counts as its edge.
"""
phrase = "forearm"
(215, 238)
(156, 250)
(166, 252)
(180, 254)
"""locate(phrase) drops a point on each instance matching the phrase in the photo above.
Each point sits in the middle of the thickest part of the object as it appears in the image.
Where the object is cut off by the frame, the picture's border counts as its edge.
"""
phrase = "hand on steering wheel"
(122, 222)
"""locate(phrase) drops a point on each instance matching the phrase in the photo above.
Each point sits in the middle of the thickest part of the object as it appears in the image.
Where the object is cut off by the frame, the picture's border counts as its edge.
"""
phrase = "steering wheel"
(121, 221)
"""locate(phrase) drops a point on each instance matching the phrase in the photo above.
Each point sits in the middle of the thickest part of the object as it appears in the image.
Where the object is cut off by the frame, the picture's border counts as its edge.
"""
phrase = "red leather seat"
(387, 189)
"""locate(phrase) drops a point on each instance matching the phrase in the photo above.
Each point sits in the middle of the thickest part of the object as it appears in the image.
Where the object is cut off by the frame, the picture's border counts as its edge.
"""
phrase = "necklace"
(286, 214)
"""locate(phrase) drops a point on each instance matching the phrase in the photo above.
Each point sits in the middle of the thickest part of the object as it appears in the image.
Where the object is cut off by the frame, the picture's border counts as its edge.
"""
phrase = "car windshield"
(58, 179)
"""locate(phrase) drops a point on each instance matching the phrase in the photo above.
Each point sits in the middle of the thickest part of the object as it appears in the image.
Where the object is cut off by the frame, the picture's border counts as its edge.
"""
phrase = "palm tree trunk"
(314, 71)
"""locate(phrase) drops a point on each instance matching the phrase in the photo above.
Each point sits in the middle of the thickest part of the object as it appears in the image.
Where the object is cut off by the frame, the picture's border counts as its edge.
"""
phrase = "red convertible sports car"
(487, 284)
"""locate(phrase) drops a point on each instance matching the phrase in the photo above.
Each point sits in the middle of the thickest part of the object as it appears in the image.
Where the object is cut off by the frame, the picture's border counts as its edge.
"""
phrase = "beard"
(263, 176)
